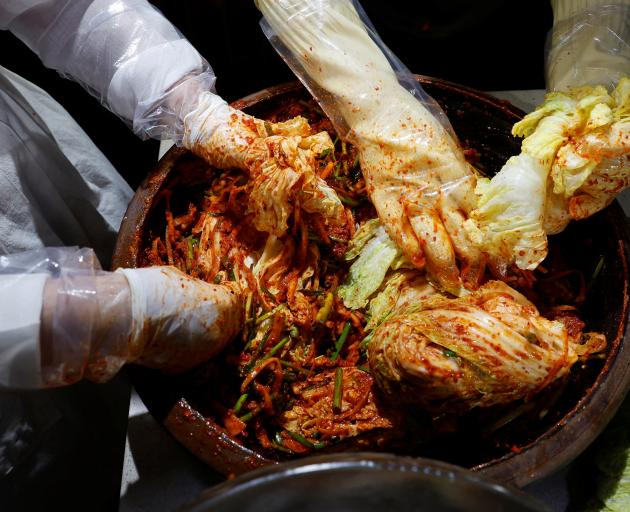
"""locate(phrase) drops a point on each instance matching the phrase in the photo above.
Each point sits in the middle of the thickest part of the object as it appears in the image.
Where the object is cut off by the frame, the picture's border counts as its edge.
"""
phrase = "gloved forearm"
(123, 51)
(589, 44)
(574, 156)
(63, 319)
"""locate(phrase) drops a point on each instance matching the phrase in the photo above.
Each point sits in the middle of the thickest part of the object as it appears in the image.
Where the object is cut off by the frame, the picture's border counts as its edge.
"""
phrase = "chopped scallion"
(305, 442)
(341, 341)
(348, 201)
(338, 390)
(240, 402)
(277, 347)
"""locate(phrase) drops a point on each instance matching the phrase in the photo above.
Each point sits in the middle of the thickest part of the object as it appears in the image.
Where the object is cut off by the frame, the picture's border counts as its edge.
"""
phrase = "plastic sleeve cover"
(124, 52)
(23, 279)
(589, 44)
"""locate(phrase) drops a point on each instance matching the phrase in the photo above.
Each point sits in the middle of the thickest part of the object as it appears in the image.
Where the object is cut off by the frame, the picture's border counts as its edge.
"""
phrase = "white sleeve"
(123, 51)
(20, 310)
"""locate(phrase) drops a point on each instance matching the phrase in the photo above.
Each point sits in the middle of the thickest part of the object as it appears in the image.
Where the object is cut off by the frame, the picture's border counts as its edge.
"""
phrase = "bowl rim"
(368, 462)
(538, 459)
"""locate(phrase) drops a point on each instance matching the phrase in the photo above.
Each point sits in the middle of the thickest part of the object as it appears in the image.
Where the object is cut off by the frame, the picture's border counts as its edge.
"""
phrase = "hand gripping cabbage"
(415, 172)
(279, 157)
(574, 160)
(488, 348)
(575, 154)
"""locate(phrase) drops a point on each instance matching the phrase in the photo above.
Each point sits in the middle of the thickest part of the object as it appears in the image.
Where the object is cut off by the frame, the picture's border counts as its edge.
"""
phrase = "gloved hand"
(279, 157)
(415, 172)
(575, 156)
(82, 322)
(141, 68)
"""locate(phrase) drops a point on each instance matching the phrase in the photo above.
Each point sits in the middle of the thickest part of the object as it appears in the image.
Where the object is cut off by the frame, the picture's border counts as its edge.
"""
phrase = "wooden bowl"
(483, 123)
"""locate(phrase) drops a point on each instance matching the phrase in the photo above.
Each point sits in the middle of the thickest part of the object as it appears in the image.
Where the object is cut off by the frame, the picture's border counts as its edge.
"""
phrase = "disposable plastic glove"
(64, 319)
(416, 174)
(575, 156)
(279, 157)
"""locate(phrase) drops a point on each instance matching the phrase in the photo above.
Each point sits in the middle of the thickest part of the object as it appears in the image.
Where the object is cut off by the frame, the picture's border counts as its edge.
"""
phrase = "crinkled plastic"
(123, 51)
(60, 334)
(65, 319)
(591, 47)
(575, 155)
(415, 171)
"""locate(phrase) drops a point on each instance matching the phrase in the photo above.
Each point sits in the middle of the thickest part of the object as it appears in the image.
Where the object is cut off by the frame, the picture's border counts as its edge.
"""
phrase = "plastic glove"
(124, 52)
(280, 159)
(416, 174)
(140, 67)
(64, 319)
(575, 156)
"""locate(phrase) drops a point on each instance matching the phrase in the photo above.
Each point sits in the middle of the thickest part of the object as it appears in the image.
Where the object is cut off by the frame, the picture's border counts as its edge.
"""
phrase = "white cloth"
(56, 187)
(20, 311)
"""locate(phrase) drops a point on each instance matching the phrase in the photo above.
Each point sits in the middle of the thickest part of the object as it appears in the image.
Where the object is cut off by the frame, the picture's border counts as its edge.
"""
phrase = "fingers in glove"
(473, 261)
(394, 220)
(437, 247)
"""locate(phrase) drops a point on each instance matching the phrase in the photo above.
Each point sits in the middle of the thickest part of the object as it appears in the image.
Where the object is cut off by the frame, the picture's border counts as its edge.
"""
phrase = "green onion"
(355, 164)
(343, 147)
(277, 347)
(337, 239)
(264, 317)
(239, 403)
(325, 153)
(324, 311)
(248, 307)
(341, 341)
(268, 129)
(449, 353)
(364, 369)
(336, 171)
(215, 214)
(596, 272)
(305, 442)
(248, 416)
(278, 444)
(259, 348)
(338, 390)
(348, 201)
